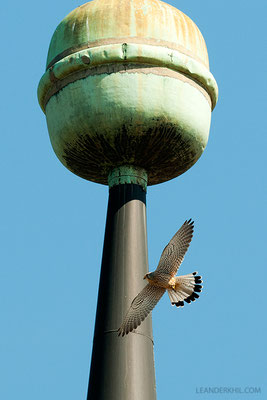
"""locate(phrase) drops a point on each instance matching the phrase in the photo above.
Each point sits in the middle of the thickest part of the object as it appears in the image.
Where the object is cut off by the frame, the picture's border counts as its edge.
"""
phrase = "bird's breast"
(161, 280)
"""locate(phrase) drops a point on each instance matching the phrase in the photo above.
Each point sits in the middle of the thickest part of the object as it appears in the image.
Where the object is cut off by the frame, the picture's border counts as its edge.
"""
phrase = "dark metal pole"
(122, 368)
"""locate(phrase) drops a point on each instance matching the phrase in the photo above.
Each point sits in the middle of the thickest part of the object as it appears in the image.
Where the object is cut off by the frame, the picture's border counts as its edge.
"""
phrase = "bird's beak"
(144, 277)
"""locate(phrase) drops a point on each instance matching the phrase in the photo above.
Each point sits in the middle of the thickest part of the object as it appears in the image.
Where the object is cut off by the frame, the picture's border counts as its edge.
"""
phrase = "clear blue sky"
(52, 223)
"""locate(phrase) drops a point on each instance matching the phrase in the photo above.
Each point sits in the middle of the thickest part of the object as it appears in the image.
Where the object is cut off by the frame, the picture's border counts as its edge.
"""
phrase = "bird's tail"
(185, 289)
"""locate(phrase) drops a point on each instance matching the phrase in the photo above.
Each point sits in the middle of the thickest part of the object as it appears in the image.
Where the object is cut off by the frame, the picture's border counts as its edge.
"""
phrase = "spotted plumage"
(180, 288)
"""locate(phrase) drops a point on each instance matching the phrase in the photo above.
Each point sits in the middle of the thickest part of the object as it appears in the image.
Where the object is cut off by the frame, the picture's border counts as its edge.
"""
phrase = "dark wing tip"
(179, 304)
(121, 332)
(189, 222)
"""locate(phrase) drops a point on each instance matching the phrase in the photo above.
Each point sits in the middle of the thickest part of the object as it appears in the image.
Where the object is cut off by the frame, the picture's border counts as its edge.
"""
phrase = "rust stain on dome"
(119, 19)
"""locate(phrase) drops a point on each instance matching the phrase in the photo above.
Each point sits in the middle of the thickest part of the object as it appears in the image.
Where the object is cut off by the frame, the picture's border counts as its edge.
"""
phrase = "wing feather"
(141, 306)
(173, 254)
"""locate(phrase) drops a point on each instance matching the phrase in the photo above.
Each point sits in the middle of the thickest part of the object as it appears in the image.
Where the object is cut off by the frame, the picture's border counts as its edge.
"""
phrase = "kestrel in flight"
(180, 288)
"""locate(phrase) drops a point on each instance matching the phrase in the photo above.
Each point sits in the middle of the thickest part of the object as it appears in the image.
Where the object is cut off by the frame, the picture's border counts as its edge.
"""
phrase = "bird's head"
(147, 276)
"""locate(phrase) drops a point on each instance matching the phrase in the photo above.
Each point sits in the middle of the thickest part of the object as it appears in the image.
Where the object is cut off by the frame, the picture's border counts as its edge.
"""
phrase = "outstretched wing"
(141, 306)
(173, 254)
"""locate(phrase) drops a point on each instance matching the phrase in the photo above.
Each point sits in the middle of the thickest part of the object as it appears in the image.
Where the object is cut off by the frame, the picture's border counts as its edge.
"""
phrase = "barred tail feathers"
(185, 289)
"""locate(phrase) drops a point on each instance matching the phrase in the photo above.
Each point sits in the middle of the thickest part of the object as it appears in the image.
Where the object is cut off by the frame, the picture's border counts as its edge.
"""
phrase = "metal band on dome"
(125, 53)
(122, 40)
(130, 68)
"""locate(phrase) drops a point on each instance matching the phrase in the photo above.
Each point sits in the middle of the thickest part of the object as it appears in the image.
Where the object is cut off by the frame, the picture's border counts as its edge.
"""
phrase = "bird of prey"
(180, 288)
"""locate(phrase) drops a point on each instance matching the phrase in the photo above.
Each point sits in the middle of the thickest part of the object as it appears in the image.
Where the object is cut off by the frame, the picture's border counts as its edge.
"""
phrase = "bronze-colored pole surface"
(122, 368)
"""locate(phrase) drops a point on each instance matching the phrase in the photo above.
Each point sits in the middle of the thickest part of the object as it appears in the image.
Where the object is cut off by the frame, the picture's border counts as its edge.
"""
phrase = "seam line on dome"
(124, 41)
(123, 68)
